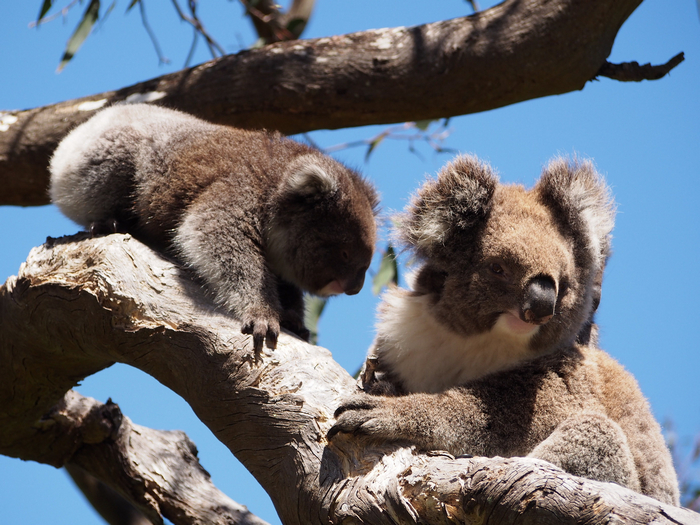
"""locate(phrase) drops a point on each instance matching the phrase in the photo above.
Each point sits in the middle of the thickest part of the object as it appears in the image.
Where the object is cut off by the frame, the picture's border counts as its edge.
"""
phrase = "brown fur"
(472, 361)
(259, 217)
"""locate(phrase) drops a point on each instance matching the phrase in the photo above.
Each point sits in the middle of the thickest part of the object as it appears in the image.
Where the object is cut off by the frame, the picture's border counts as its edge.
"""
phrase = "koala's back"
(95, 168)
(143, 166)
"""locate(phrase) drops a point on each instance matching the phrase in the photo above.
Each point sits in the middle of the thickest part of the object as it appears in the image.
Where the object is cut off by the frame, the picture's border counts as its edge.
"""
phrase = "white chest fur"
(429, 357)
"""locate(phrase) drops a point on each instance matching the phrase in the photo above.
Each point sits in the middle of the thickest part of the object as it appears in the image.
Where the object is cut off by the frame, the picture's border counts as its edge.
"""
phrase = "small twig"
(633, 72)
(194, 21)
(161, 58)
(193, 47)
(62, 12)
(434, 139)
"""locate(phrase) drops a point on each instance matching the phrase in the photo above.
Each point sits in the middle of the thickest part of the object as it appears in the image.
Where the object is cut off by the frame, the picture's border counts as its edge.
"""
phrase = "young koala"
(493, 352)
(259, 217)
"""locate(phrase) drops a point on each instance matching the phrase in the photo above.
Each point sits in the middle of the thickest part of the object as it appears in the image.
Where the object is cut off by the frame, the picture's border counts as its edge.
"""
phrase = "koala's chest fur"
(427, 357)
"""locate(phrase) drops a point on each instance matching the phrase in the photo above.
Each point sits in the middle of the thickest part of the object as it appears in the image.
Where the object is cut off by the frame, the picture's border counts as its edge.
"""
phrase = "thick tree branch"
(79, 305)
(518, 50)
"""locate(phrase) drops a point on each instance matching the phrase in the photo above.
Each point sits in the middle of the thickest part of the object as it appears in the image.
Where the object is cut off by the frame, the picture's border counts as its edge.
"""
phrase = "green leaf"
(423, 125)
(44, 9)
(132, 4)
(373, 145)
(296, 26)
(90, 16)
(313, 307)
(388, 271)
(109, 10)
(260, 42)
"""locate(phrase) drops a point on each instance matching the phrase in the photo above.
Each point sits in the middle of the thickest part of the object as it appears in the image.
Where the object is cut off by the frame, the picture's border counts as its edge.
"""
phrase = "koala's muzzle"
(354, 284)
(539, 301)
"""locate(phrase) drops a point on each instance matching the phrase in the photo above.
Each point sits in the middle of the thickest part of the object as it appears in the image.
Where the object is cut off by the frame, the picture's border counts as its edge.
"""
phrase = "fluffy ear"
(457, 201)
(582, 203)
(308, 180)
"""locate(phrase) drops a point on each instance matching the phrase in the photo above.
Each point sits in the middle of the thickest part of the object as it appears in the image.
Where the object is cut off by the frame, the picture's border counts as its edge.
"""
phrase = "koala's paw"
(365, 414)
(292, 321)
(105, 227)
(263, 328)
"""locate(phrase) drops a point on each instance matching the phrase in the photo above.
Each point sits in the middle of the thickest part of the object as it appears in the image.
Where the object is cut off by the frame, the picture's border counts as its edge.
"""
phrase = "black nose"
(355, 285)
(539, 300)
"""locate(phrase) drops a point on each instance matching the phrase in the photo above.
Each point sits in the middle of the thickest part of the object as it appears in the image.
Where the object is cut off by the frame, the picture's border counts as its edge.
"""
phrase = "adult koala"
(493, 351)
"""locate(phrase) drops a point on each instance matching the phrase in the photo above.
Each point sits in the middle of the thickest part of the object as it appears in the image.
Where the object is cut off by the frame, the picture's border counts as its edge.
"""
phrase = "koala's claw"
(359, 402)
(262, 330)
(361, 414)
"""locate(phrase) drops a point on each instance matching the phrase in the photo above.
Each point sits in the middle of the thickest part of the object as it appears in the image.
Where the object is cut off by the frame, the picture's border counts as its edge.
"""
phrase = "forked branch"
(80, 304)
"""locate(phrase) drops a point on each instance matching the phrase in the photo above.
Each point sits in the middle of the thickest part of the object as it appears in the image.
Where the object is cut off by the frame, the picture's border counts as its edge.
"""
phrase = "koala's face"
(329, 251)
(505, 260)
(324, 233)
(519, 277)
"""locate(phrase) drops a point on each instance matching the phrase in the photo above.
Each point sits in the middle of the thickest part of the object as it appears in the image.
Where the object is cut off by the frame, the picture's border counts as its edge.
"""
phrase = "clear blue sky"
(643, 137)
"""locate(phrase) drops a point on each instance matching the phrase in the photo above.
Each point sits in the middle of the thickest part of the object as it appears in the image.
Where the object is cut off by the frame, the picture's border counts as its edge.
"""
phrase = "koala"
(493, 352)
(260, 218)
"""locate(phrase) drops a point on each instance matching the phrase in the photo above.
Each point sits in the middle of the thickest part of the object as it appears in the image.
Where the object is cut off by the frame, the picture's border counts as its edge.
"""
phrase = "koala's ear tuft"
(582, 203)
(308, 180)
(458, 200)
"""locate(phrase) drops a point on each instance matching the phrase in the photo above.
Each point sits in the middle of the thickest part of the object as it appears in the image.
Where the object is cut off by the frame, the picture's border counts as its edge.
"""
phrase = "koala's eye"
(345, 255)
(497, 269)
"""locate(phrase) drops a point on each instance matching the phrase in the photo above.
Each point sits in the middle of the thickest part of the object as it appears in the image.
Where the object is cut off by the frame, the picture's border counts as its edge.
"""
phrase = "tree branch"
(515, 51)
(633, 72)
(79, 304)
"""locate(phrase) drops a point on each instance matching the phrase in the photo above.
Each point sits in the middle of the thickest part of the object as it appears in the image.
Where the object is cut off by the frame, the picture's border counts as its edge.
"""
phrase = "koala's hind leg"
(591, 446)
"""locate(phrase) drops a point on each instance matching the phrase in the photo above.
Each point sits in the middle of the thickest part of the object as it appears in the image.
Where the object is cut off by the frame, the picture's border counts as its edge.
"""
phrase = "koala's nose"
(539, 300)
(355, 284)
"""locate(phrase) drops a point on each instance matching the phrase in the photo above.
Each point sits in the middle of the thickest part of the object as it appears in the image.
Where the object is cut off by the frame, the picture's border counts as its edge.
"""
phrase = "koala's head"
(501, 258)
(323, 232)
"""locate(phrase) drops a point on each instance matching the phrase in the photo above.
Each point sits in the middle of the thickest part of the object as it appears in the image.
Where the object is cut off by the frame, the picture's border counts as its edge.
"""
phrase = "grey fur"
(472, 361)
(259, 217)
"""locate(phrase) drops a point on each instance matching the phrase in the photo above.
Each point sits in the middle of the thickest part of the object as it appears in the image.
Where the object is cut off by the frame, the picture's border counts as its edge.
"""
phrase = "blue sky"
(643, 137)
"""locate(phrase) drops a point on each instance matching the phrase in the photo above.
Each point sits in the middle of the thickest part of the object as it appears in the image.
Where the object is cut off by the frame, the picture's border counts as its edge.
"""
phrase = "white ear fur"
(430, 228)
(457, 199)
(587, 193)
(597, 211)
(308, 179)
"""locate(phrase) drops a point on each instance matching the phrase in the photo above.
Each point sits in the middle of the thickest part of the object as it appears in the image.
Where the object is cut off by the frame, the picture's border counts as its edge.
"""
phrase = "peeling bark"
(515, 51)
(80, 304)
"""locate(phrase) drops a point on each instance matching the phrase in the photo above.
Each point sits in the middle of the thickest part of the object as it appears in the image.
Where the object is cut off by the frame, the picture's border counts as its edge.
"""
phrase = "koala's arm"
(220, 242)
(451, 421)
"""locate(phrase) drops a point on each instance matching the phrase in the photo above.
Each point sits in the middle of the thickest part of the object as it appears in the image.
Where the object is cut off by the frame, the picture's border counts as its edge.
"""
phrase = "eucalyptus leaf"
(132, 4)
(313, 308)
(388, 271)
(423, 125)
(296, 26)
(91, 15)
(260, 42)
(44, 9)
(373, 145)
(109, 10)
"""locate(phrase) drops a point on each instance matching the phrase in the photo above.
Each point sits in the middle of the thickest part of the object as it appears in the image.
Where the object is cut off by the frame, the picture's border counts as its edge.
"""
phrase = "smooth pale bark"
(515, 51)
(80, 304)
